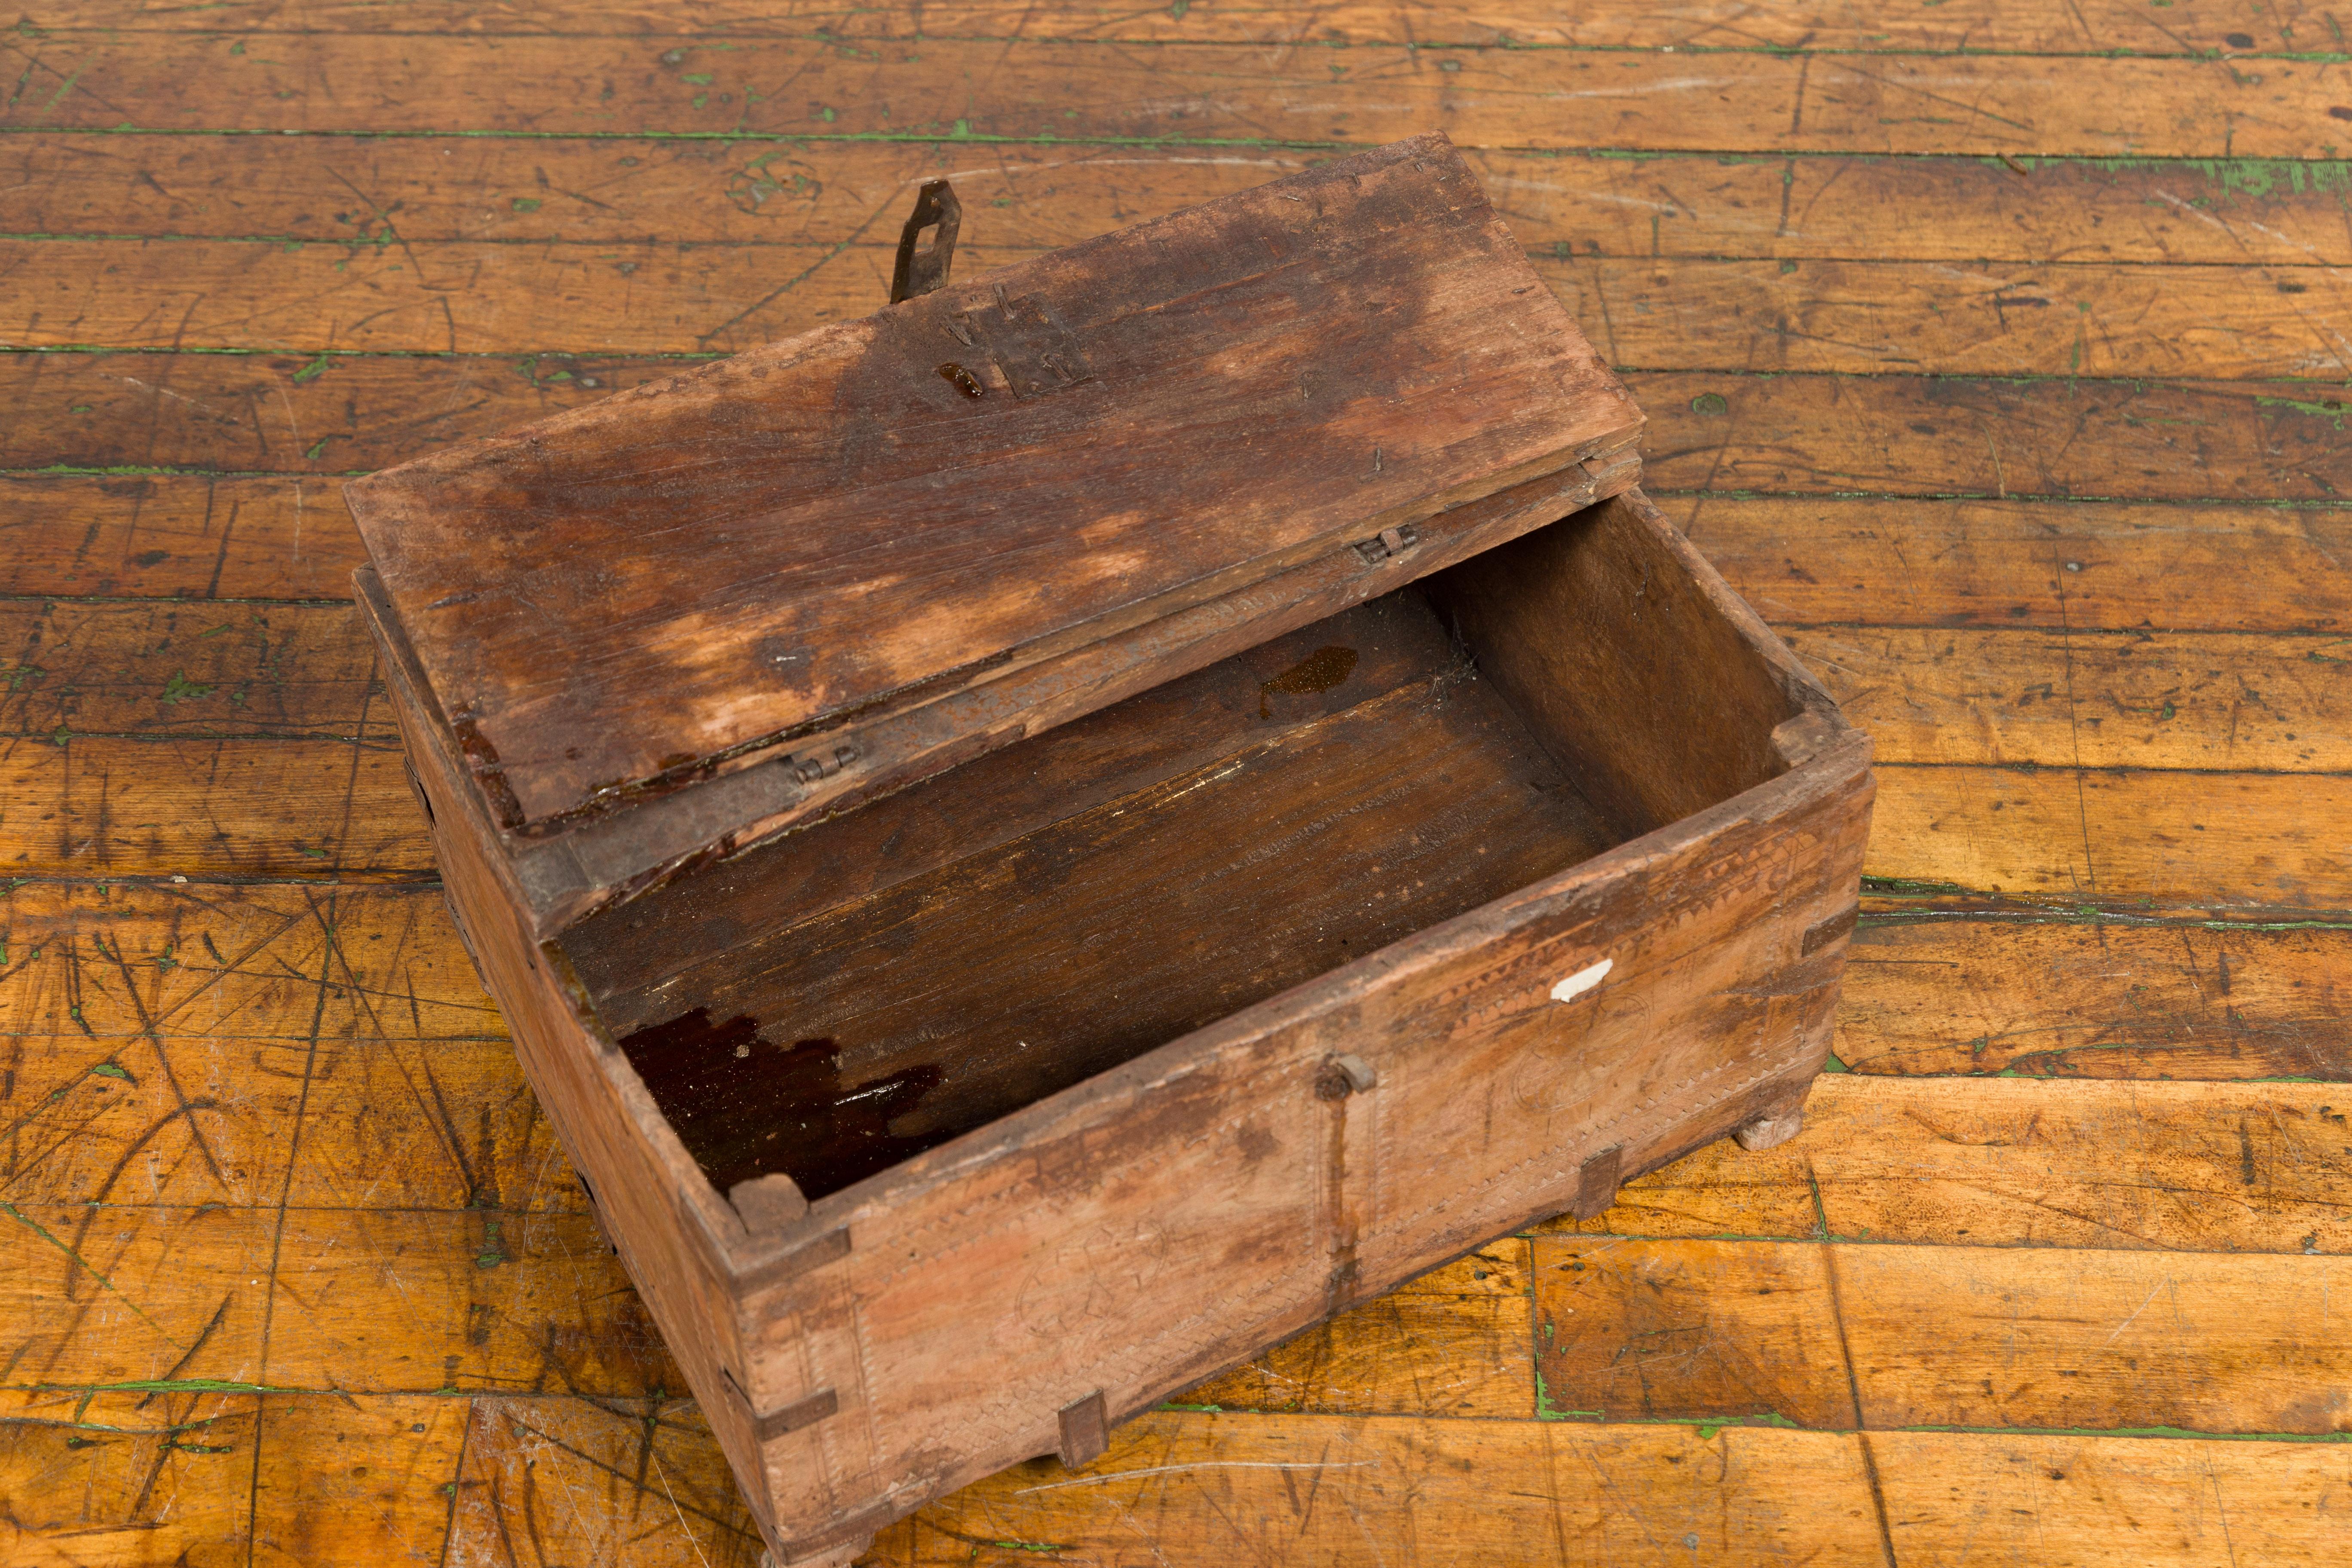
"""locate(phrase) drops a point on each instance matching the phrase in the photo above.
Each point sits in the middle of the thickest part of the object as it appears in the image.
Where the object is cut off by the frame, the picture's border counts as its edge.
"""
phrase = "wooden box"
(1038, 842)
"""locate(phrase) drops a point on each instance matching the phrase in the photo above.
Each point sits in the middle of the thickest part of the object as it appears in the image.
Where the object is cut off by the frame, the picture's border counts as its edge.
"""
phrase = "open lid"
(821, 532)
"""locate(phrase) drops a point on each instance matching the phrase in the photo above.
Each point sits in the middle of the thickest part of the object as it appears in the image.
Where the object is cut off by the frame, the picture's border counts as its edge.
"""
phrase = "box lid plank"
(887, 511)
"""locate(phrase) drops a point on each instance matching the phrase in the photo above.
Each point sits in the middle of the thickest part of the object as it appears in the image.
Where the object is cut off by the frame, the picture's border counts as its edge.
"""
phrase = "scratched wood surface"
(1996, 351)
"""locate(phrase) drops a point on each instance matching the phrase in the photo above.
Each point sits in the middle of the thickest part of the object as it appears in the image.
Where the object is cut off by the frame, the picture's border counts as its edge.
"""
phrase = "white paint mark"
(2135, 1311)
(1582, 981)
(1673, 84)
(167, 392)
(1201, 783)
(1007, 173)
(2204, 217)
(682, 1525)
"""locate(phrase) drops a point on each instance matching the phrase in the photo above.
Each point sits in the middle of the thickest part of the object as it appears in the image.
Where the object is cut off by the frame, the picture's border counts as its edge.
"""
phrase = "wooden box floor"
(1995, 351)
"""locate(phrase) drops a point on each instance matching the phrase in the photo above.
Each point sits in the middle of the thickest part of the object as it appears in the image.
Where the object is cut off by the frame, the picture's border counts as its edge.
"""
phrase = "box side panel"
(1601, 1036)
(637, 1191)
(1795, 680)
(1622, 650)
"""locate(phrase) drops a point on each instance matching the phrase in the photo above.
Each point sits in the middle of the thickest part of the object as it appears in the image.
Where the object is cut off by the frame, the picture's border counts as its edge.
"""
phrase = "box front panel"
(1149, 1240)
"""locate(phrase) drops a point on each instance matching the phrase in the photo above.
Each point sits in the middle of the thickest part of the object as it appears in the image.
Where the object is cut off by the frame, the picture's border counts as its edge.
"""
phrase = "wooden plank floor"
(1997, 350)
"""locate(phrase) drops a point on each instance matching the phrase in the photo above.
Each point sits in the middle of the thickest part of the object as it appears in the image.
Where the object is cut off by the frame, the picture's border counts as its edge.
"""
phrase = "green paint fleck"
(318, 447)
(1787, 268)
(2331, 409)
(1710, 403)
(826, 115)
(180, 688)
(2188, 1432)
(12, 1211)
(1177, 10)
(109, 1069)
(1834, 1065)
(1708, 1429)
(78, 408)
(526, 203)
(699, 79)
(313, 854)
(1907, 886)
(313, 370)
(161, 1384)
(490, 1256)
(1547, 1410)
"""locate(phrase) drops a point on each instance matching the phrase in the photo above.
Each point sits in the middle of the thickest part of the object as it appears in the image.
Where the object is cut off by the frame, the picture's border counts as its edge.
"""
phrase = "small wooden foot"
(840, 1556)
(1771, 1129)
(1596, 1183)
(1085, 1431)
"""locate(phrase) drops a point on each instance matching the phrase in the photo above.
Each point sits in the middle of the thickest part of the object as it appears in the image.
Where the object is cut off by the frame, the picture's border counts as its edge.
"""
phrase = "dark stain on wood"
(745, 1107)
(1319, 671)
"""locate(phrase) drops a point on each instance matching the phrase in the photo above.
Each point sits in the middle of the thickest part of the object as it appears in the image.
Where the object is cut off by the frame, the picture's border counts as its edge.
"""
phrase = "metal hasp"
(920, 271)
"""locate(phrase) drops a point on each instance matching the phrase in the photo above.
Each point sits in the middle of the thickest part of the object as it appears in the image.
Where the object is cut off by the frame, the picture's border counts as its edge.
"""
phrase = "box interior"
(830, 1003)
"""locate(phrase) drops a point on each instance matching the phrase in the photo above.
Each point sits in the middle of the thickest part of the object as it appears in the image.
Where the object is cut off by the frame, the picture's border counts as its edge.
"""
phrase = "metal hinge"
(822, 765)
(1387, 542)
